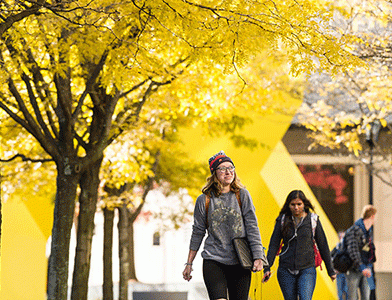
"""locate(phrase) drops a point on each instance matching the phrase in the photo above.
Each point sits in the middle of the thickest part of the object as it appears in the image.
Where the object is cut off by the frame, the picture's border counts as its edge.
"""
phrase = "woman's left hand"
(257, 265)
(333, 277)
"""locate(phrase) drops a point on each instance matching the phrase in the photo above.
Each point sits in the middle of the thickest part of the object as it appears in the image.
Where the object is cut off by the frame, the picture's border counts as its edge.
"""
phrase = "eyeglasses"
(223, 169)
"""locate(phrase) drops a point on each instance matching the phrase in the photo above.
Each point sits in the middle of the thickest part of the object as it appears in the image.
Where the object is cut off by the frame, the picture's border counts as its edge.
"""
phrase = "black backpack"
(341, 260)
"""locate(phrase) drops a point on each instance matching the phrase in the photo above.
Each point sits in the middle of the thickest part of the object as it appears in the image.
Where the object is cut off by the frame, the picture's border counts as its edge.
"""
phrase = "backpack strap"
(313, 219)
(281, 242)
(208, 200)
(207, 206)
(318, 259)
(237, 194)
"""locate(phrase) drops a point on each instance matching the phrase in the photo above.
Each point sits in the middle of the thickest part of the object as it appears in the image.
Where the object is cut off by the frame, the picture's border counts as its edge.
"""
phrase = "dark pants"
(220, 279)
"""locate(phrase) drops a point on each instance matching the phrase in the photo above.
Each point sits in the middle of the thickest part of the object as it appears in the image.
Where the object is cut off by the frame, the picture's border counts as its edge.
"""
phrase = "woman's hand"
(187, 272)
(333, 277)
(257, 265)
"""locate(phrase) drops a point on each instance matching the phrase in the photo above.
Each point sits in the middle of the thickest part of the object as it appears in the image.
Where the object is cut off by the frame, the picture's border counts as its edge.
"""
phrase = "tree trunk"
(123, 252)
(107, 289)
(61, 232)
(132, 269)
(89, 183)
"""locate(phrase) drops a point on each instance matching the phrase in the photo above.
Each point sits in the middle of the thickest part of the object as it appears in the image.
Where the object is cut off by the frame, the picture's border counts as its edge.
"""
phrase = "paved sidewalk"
(195, 290)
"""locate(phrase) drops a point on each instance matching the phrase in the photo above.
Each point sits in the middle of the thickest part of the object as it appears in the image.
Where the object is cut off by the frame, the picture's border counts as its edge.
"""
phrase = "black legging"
(220, 279)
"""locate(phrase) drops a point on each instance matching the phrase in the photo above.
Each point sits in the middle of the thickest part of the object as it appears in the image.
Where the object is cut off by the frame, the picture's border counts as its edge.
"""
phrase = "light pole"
(371, 138)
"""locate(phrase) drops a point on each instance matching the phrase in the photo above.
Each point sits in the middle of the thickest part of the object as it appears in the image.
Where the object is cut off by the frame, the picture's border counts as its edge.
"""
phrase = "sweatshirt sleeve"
(251, 224)
(199, 223)
(323, 247)
(274, 244)
(353, 237)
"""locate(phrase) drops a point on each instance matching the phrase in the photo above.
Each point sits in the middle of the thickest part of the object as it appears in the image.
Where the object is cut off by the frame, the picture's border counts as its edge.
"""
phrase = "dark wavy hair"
(213, 185)
(286, 207)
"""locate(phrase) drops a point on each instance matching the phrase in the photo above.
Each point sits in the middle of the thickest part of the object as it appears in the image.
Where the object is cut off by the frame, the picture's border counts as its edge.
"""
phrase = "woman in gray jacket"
(224, 220)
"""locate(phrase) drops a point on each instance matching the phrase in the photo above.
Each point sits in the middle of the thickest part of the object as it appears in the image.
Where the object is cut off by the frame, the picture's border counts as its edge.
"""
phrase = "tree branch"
(24, 158)
(89, 84)
(10, 20)
(36, 108)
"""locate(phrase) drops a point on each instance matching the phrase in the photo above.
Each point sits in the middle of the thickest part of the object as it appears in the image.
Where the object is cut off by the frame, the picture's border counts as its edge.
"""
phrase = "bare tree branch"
(24, 158)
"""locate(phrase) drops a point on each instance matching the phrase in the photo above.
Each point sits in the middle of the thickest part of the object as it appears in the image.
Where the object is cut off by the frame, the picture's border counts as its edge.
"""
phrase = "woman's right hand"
(187, 272)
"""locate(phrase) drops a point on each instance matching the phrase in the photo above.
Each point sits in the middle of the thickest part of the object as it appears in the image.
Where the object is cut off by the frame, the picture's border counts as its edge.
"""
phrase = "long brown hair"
(286, 207)
(213, 185)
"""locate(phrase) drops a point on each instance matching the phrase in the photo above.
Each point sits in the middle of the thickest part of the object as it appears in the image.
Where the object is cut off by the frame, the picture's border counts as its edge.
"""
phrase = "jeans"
(356, 280)
(341, 283)
(301, 284)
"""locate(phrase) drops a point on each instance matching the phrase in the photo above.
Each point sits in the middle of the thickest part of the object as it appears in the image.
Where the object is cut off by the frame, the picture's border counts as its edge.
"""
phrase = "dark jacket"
(298, 254)
(359, 243)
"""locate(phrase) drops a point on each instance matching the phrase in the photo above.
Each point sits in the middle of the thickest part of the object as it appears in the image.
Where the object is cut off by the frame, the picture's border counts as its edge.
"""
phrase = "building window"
(333, 187)
(156, 240)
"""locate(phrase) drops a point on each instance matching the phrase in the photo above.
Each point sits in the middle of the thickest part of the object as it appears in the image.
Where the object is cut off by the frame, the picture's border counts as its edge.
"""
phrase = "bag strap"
(207, 206)
(313, 219)
(208, 200)
(282, 221)
(281, 242)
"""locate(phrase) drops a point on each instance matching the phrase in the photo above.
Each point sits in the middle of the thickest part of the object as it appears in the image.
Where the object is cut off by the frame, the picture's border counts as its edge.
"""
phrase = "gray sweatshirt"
(225, 222)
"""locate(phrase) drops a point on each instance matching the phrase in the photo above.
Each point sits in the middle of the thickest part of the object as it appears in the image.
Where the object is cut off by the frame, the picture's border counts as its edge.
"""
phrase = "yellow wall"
(26, 227)
(269, 174)
(281, 176)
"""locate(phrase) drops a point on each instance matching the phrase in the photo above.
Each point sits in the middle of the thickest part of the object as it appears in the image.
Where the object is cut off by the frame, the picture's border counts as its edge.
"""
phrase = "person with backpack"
(225, 211)
(361, 249)
(297, 242)
(341, 282)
